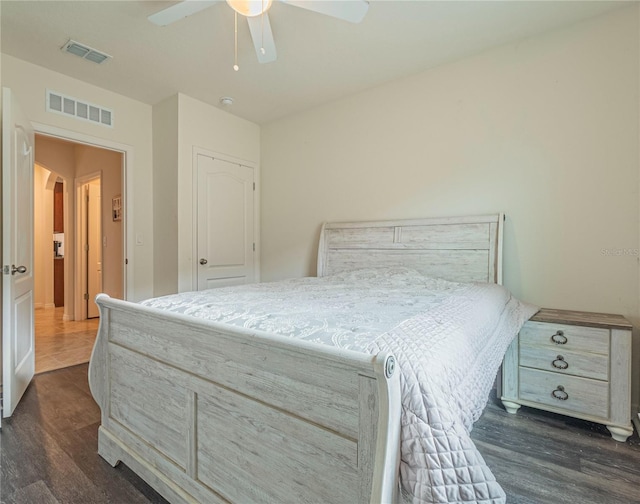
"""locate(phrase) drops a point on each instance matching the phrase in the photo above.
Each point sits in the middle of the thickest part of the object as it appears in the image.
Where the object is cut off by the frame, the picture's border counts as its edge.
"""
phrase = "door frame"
(80, 266)
(197, 151)
(127, 196)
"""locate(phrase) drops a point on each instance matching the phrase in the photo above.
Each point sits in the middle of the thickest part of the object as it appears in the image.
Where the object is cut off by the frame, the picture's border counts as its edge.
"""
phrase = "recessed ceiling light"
(226, 101)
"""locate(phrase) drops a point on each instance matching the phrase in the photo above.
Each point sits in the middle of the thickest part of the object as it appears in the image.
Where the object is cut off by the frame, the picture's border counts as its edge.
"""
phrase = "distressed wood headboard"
(462, 249)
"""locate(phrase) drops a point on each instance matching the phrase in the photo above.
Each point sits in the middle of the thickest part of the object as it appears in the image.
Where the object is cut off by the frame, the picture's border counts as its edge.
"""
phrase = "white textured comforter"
(449, 339)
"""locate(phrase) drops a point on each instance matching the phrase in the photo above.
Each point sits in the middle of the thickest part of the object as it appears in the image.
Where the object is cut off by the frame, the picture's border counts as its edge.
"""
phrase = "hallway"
(62, 344)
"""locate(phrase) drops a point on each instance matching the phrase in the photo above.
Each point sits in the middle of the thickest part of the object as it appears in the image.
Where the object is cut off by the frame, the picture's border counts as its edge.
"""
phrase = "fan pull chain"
(262, 29)
(235, 31)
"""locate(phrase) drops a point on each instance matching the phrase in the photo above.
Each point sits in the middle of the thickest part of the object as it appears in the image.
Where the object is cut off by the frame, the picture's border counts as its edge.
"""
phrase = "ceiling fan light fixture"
(250, 8)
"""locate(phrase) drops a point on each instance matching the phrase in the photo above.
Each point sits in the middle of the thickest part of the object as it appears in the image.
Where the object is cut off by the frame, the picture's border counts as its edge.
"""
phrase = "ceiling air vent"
(85, 52)
(69, 106)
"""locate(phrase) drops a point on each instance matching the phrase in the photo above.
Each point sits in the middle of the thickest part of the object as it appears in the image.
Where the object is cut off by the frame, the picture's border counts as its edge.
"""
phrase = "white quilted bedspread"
(448, 359)
(449, 339)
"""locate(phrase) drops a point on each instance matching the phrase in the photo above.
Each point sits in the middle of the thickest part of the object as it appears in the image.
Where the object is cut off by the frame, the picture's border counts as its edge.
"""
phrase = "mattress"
(449, 339)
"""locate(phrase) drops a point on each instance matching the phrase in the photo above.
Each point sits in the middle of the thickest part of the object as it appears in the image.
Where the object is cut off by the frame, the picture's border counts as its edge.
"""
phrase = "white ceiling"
(320, 59)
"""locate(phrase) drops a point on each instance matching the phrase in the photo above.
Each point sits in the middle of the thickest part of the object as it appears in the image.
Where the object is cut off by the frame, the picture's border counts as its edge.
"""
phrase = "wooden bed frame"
(208, 412)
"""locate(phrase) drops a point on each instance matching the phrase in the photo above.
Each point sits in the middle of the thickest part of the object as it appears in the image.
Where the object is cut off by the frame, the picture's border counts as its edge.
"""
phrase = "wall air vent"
(84, 51)
(68, 106)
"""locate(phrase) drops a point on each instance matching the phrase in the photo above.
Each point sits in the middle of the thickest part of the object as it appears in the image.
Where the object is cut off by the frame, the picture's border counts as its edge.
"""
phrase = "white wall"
(545, 129)
(132, 127)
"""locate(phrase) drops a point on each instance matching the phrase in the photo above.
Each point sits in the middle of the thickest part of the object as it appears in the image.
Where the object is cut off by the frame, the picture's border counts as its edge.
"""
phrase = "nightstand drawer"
(565, 337)
(580, 395)
(562, 361)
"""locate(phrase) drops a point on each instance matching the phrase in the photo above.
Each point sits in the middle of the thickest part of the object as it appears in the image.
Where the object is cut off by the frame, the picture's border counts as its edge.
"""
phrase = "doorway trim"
(127, 177)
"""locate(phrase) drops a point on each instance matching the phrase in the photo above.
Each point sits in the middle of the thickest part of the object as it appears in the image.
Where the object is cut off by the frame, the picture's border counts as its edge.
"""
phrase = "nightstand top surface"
(588, 319)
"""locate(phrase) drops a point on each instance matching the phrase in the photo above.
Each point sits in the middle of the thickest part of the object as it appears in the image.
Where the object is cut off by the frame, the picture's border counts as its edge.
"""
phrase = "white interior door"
(94, 242)
(225, 242)
(18, 353)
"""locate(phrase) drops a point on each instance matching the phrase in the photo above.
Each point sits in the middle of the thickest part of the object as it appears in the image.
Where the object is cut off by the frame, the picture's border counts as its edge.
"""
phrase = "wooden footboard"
(205, 412)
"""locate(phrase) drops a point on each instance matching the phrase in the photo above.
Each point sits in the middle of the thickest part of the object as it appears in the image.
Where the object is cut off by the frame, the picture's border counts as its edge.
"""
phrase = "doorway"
(90, 177)
(18, 160)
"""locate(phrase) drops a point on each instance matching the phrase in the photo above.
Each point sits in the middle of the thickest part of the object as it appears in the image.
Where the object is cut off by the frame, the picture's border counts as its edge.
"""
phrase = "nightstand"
(573, 363)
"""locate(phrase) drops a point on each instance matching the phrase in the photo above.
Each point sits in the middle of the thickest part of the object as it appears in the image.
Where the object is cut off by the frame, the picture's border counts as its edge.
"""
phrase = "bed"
(207, 411)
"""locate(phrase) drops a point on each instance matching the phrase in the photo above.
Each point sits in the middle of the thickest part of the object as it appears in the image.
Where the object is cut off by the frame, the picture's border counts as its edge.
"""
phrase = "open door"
(18, 352)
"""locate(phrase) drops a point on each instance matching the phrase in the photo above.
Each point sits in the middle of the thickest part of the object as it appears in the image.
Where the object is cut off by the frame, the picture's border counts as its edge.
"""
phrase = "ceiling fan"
(258, 19)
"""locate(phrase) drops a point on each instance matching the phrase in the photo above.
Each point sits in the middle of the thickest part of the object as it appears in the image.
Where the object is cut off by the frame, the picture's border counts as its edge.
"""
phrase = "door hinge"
(126, 261)
(86, 297)
(6, 270)
(86, 247)
(254, 186)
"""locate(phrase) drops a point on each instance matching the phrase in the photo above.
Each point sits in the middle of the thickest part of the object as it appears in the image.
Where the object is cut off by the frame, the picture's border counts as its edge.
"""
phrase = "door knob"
(19, 269)
(203, 261)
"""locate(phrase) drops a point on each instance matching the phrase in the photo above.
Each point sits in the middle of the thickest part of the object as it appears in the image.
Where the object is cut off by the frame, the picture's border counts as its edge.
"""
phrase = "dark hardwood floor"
(48, 453)
(48, 448)
(540, 457)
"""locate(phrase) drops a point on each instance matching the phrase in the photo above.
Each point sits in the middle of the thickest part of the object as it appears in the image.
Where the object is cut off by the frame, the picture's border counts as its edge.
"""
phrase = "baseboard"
(636, 422)
(38, 306)
(50, 305)
(66, 318)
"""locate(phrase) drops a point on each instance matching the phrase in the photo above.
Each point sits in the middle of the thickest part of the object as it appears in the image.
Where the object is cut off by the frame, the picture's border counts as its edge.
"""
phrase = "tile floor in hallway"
(62, 344)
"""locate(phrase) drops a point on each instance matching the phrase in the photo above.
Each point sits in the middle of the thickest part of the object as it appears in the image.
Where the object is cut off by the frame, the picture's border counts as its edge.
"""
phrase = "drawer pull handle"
(559, 338)
(560, 394)
(560, 363)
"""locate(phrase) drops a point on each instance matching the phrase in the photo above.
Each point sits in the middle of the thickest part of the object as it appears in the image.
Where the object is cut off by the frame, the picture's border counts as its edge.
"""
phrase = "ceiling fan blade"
(348, 10)
(262, 38)
(179, 11)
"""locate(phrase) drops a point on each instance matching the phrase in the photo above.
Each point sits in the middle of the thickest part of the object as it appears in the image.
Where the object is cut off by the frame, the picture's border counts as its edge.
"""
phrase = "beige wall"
(42, 239)
(59, 157)
(165, 184)
(132, 127)
(89, 160)
(545, 129)
(56, 156)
